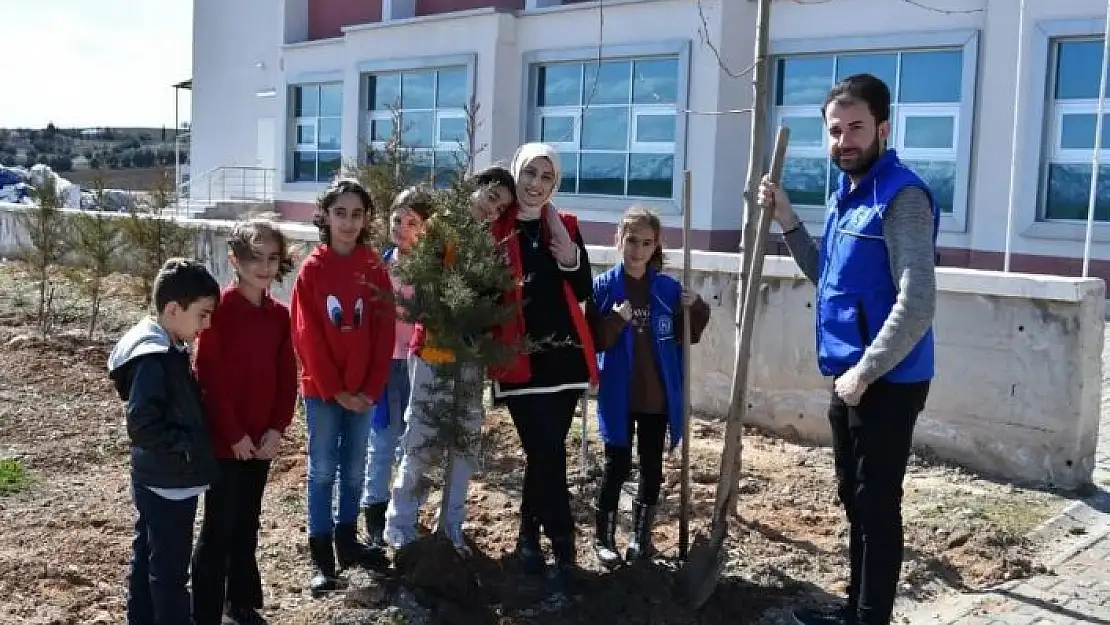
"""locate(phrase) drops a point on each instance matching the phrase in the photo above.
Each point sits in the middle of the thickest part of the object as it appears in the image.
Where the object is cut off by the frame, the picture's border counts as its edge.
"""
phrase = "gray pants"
(409, 486)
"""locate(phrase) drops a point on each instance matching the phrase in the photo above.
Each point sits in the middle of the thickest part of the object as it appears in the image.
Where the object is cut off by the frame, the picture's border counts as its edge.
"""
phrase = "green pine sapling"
(46, 245)
(96, 238)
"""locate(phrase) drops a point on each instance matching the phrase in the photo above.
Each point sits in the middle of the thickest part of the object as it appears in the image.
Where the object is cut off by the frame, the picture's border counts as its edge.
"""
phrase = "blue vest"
(855, 290)
(379, 419)
(615, 364)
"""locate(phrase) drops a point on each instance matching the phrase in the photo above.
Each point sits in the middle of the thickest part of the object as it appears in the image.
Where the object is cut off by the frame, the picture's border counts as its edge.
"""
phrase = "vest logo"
(664, 326)
(860, 217)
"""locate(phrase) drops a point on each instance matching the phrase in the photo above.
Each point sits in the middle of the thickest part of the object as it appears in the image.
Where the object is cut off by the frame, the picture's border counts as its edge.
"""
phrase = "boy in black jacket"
(172, 461)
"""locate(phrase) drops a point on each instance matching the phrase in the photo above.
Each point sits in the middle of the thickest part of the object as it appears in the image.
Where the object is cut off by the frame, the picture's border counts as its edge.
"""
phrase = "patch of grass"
(13, 476)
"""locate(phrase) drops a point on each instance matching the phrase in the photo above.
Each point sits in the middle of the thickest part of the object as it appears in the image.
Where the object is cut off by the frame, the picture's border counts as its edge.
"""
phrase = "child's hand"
(624, 309)
(244, 449)
(689, 298)
(269, 445)
(366, 401)
(565, 251)
(348, 401)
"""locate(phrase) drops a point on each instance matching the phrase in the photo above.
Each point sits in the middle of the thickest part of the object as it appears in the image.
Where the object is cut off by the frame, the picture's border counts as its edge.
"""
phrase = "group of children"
(212, 424)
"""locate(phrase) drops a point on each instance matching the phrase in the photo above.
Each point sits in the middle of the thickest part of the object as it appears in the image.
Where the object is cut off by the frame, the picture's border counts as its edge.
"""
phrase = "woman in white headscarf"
(543, 386)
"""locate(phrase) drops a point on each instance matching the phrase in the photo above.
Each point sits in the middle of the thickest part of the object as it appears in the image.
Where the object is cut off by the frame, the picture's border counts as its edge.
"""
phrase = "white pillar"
(1015, 147)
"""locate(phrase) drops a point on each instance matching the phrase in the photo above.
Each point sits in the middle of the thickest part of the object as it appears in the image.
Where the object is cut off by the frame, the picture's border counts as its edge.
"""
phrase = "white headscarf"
(531, 151)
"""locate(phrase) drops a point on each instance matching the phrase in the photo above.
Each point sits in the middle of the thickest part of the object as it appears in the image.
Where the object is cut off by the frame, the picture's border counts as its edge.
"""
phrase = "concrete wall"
(1018, 387)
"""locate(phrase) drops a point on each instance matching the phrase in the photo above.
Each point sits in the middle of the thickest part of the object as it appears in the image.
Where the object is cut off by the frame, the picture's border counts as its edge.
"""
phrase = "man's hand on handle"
(772, 196)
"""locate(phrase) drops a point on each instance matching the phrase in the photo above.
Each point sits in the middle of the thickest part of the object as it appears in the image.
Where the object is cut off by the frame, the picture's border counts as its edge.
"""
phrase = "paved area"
(1078, 588)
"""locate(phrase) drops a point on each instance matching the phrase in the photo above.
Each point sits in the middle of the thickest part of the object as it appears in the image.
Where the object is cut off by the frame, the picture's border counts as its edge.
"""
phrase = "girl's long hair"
(328, 199)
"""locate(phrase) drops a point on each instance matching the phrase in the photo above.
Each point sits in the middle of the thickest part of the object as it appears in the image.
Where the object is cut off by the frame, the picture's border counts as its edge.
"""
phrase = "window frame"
(532, 115)
(1053, 153)
(964, 40)
(294, 123)
(1035, 142)
(367, 117)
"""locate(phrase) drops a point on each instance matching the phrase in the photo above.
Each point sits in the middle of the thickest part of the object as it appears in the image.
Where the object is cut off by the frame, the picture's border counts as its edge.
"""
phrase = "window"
(615, 125)
(926, 88)
(316, 125)
(430, 105)
(1073, 106)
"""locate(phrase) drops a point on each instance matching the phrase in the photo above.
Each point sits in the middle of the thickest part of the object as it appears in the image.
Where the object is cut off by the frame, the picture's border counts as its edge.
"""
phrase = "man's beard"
(865, 159)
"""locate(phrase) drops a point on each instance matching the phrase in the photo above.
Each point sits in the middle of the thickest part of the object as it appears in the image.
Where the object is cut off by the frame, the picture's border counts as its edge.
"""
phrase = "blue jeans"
(157, 591)
(384, 450)
(336, 452)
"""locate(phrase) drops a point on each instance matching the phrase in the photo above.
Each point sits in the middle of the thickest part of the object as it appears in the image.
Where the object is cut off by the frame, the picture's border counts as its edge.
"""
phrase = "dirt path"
(65, 539)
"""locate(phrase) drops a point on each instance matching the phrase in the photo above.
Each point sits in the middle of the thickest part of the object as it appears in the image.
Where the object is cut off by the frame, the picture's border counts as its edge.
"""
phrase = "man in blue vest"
(876, 295)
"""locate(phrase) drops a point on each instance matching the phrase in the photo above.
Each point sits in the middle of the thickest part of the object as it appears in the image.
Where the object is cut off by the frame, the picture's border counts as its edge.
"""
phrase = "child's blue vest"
(855, 290)
(615, 364)
(379, 420)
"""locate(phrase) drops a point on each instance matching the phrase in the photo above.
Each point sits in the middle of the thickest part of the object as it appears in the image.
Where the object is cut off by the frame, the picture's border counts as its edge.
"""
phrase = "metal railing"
(231, 183)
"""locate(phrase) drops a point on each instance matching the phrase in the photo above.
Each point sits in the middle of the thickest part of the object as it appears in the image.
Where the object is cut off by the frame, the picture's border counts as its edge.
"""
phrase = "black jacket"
(170, 447)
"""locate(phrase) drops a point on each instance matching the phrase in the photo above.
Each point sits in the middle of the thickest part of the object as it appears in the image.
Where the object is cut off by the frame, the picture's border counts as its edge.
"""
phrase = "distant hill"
(125, 157)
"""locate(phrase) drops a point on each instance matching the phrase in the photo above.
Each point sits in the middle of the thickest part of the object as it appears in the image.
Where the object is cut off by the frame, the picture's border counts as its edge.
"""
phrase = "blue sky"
(93, 62)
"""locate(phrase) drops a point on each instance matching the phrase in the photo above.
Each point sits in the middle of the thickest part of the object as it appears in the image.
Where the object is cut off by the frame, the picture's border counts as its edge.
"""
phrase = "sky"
(89, 63)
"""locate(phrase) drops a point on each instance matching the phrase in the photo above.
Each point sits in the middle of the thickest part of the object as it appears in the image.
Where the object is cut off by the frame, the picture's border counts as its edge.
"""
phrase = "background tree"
(153, 236)
(388, 169)
(46, 244)
(96, 238)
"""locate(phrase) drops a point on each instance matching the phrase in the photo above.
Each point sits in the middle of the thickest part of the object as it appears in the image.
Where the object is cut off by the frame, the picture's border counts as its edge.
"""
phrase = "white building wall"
(235, 57)
(998, 84)
(232, 37)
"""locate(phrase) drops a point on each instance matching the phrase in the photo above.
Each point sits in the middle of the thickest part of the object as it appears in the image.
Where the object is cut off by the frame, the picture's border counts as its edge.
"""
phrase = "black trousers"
(650, 431)
(543, 421)
(157, 583)
(871, 446)
(225, 566)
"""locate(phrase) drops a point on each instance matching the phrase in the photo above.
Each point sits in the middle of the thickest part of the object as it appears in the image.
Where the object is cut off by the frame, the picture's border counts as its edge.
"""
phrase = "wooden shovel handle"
(730, 456)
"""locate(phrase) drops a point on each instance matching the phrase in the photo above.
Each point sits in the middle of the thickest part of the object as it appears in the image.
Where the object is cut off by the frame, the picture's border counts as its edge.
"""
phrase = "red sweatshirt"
(343, 323)
(247, 372)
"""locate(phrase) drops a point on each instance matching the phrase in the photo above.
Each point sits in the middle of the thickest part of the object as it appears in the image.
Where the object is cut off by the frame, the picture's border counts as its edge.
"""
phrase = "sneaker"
(839, 615)
(244, 616)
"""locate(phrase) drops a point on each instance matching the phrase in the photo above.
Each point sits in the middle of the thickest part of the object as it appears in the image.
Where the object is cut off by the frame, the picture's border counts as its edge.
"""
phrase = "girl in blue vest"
(636, 316)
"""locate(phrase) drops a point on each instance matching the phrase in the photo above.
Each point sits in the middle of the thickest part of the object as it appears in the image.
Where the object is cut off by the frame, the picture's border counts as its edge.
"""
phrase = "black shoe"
(643, 518)
(841, 615)
(349, 552)
(563, 571)
(605, 539)
(528, 546)
(245, 616)
(323, 565)
(374, 515)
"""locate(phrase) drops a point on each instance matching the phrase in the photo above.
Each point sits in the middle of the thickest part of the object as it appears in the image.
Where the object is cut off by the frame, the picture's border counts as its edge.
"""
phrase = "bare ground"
(66, 539)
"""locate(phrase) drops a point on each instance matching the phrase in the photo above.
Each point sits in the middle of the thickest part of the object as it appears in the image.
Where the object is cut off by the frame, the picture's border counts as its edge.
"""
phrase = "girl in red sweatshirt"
(343, 331)
(248, 377)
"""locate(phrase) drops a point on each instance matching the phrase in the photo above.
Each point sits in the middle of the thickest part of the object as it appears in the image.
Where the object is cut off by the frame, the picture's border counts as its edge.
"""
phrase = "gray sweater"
(908, 233)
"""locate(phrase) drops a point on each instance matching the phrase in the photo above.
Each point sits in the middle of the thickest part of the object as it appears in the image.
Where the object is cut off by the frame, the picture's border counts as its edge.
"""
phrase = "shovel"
(684, 510)
(706, 560)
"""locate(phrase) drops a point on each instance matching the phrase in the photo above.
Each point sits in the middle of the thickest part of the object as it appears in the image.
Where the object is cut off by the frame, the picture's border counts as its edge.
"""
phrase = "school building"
(293, 88)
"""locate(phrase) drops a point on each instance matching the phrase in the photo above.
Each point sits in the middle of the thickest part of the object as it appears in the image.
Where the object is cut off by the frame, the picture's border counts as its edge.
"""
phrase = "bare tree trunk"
(458, 390)
(756, 157)
(95, 307)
